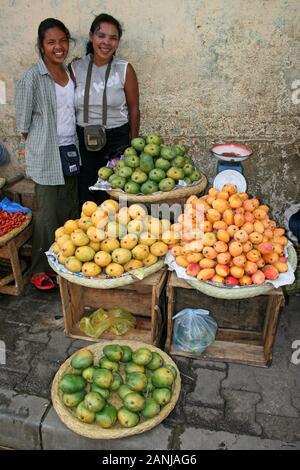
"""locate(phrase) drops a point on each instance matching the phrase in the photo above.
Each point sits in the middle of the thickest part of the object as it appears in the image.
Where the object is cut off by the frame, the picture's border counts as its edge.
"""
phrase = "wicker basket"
(105, 283)
(169, 196)
(93, 430)
(13, 233)
(242, 292)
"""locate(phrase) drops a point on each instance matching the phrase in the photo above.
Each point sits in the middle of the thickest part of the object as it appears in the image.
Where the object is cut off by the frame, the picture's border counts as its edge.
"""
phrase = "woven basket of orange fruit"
(227, 239)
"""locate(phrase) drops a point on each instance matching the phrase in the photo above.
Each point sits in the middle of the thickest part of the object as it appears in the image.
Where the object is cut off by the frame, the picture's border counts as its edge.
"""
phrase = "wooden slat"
(140, 333)
(229, 352)
(239, 336)
(270, 328)
(66, 304)
(133, 301)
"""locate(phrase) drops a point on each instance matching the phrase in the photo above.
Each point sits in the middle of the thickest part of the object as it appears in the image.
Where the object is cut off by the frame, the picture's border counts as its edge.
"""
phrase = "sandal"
(42, 281)
(52, 276)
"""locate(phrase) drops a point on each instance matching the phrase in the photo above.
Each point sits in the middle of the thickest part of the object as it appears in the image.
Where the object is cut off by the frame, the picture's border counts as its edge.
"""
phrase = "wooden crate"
(10, 252)
(246, 327)
(144, 299)
(21, 190)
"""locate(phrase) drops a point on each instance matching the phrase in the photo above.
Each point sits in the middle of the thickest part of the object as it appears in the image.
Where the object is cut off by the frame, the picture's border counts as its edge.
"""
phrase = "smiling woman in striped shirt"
(45, 116)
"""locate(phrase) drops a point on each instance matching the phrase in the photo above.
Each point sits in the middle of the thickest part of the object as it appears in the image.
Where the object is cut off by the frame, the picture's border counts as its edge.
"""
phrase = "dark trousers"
(117, 140)
(55, 205)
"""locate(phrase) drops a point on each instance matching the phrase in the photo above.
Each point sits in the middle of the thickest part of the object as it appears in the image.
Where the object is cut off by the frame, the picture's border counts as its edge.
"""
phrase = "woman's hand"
(131, 89)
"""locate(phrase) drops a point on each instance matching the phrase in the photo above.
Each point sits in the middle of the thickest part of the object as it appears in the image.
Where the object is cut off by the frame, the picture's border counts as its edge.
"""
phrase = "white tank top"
(66, 120)
(117, 112)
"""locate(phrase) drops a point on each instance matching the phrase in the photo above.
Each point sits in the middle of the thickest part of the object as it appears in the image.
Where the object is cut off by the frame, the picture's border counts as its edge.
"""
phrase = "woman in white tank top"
(123, 115)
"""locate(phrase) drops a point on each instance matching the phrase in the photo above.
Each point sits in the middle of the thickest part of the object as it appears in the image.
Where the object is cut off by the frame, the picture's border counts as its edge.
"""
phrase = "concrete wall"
(209, 71)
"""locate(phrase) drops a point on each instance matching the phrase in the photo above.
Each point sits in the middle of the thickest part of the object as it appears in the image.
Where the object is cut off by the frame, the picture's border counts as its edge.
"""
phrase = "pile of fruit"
(109, 241)
(150, 166)
(240, 245)
(10, 221)
(124, 387)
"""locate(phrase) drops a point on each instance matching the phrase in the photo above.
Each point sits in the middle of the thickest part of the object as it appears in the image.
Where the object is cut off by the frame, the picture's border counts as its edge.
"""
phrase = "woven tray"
(93, 430)
(8, 236)
(161, 196)
(98, 283)
(241, 292)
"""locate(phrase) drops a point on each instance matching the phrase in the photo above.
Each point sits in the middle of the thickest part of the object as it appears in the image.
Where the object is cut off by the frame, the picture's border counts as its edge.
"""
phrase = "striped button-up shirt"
(36, 115)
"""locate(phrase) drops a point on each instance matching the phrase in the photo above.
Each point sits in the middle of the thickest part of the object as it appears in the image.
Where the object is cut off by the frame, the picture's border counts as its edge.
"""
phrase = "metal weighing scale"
(229, 167)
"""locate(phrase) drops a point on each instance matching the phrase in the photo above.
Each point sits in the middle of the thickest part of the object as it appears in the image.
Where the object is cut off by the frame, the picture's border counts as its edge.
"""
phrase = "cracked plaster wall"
(209, 71)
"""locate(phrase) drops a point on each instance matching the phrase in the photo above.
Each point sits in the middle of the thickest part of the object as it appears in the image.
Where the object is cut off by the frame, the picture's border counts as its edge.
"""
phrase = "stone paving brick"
(19, 360)
(240, 411)
(203, 416)
(11, 333)
(38, 381)
(10, 379)
(207, 389)
(55, 435)
(295, 399)
(209, 364)
(57, 348)
(276, 393)
(202, 439)
(279, 427)
(20, 417)
(241, 377)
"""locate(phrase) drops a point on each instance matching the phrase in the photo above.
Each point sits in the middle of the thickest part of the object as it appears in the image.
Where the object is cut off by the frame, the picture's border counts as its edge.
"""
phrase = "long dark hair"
(46, 24)
(102, 18)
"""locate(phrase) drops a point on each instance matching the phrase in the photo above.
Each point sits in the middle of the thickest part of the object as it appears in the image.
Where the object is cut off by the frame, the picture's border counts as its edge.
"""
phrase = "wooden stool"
(246, 327)
(9, 251)
(143, 299)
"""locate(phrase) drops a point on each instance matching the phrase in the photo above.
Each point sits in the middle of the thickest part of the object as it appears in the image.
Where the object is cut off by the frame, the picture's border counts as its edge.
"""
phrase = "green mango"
(149, 187)
(93, 401)
(156, 361)
(82, 359)
(134, 401)
(162, 164)
(117, 381)
(132, 188)
(103, 378)
(87, 373)
(104, 392)
(162, 378)
(71, 383)
(127, 419)
(142, 356)
(106, 363)
(127, 353)
(150, 409)
(73, 399)
(107, 417)
(146, 162)
(162, 395)
(113, 352)
(167, 184)
(85, 415)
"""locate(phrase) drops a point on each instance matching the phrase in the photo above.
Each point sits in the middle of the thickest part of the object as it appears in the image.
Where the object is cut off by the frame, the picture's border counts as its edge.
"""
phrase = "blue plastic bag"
(11, 206)
(194, 330)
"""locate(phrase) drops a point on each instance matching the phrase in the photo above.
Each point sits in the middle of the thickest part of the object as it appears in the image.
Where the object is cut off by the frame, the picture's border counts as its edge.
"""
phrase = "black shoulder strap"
(87, 91)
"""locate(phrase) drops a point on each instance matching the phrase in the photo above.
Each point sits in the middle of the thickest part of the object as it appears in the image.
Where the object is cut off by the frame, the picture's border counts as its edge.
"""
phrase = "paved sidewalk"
(222, 406)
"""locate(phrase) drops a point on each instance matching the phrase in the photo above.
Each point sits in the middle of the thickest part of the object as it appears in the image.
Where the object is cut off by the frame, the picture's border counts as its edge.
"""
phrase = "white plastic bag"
(194, 330)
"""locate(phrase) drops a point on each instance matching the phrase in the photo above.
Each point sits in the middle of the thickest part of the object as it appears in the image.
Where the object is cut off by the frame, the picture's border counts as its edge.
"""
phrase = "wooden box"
(246, 327)
(21, 190)
(144, 299)
(11, 266)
